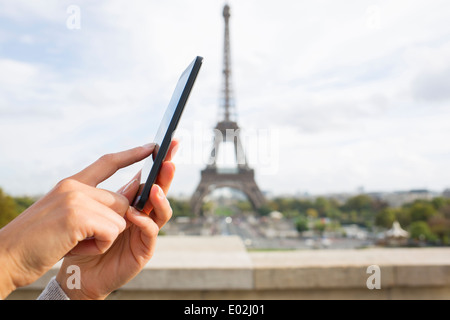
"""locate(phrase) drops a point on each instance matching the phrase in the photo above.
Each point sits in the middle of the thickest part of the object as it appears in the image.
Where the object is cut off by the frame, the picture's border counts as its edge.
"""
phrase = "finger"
(129, 192)
(149, 232)
(73, 188)
(137, 176)
(165, 176)
(130, 189)
(99, 227)
(93, 213)
(163, 180)
(162, 212)
(174, 145)
(108, 164)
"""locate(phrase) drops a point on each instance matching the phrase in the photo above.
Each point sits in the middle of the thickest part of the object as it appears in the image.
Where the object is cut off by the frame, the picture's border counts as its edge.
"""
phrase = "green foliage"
(23, 203)
(301, 224)
(359, 203)
(244, 206)
(403, 216)
(291, 213)
(180, 208)
(312, 213)
(11, 207)
(319, 226)
(8, 209)
(321, 206)
(419, 230)
(440, 226)
(385, 218)
(433, 215)
(440, 202)
(265, 210)
(427, 220)
(421, 211)
(224, 211)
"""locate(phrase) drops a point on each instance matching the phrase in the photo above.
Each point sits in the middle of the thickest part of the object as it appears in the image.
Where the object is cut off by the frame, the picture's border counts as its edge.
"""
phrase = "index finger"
(108, 164)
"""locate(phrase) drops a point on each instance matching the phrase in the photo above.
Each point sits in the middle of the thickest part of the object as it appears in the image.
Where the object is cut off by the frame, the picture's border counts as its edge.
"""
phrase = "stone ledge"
(200, 266)
(347, 268)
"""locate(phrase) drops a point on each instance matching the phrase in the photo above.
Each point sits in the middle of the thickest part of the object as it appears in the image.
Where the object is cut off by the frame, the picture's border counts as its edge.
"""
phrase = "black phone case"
(142, 198)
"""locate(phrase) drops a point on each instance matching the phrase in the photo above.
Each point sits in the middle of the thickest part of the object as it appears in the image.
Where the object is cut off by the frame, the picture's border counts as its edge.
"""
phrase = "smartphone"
(163, 137)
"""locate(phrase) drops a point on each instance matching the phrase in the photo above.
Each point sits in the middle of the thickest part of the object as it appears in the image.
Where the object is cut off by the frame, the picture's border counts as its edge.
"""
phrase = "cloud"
(350, 103)
(432, 86)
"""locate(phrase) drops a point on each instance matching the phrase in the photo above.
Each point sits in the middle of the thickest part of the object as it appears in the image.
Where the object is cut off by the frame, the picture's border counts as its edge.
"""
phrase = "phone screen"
(165, 131)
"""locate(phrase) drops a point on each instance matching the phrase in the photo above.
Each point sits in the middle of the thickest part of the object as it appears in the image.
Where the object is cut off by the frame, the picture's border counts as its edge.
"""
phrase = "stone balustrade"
(221, 268)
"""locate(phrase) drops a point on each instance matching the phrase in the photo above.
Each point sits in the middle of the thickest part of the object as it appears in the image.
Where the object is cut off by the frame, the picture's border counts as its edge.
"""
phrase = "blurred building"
(399, 198)
(446, 193)
(396, 236)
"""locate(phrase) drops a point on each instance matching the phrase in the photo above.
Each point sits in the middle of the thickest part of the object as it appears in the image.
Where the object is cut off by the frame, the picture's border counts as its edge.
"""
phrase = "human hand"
(133, 248)
(74, 216)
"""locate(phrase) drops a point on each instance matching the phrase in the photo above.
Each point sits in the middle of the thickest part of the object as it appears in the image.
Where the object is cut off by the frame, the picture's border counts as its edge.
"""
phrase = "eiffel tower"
(242, 177)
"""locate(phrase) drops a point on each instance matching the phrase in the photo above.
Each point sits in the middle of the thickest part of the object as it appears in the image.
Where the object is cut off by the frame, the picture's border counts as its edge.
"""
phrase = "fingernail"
(129, 185)
(136, 212)
(149, 145)
(160, 194)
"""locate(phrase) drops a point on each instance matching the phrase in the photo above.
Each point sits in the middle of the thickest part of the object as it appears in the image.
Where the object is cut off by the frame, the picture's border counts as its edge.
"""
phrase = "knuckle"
(169, 212)
(73, 198)
(70, 204)
(121, 225)
(153, 230)
(71, 218)
(123, 202)
(108, 158)
(66, 185)
(112, 233)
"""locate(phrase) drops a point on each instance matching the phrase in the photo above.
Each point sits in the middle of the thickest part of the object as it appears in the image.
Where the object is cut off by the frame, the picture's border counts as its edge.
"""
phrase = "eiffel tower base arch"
(212, 179)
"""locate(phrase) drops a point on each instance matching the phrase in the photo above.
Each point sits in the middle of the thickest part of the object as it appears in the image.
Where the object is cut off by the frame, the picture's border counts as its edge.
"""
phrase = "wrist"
(62, 278)
(7, 284)
(74, 293)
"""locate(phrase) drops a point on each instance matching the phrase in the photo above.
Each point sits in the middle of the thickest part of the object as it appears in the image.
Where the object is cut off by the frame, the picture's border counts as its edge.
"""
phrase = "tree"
(264, 210)
(421, 211)
(207, 207)
(322, 206)
(23, 203)
(445, 211)
(361, 209)
(385, 218)
(334, 213)
(440, 226)
(320, 226)
(244, 206)
(403, 216)
(440, 202)
(292, 213)
(419, 230)
(8, 209)
(301, 224)
(359, 203)
(312, 213)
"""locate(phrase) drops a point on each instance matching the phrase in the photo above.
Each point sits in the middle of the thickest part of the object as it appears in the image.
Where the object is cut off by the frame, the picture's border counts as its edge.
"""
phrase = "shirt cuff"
(53, 291)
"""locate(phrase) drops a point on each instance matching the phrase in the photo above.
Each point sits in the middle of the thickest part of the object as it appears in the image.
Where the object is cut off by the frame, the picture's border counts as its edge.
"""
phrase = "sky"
(331, 96)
